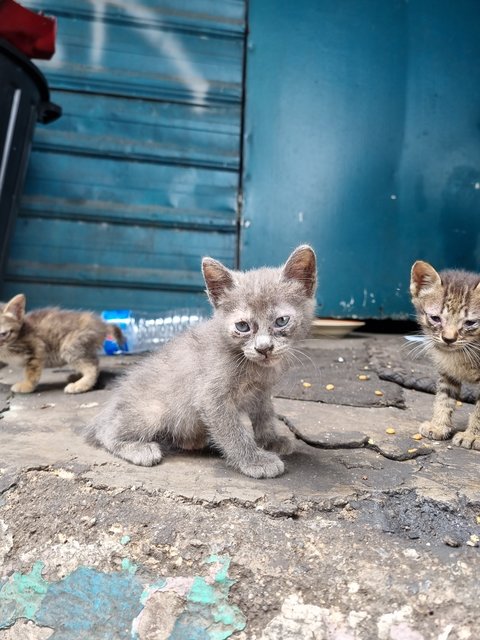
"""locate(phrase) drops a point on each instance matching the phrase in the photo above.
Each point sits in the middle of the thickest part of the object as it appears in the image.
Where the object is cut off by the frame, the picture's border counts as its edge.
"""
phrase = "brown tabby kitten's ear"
(217, 278)
(16, 307)
(302, 266)
(424, 278)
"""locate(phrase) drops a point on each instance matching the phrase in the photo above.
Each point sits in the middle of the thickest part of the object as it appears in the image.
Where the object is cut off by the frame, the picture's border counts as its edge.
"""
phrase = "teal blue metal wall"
(362, 137)
(139, 178)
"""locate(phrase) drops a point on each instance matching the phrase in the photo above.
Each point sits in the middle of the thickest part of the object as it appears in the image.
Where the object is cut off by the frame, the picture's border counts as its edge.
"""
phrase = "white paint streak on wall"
(162, 41)
(98, 35)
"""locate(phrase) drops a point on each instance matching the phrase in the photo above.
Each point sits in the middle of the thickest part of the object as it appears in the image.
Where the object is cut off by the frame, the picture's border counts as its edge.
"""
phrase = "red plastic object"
(32, 33)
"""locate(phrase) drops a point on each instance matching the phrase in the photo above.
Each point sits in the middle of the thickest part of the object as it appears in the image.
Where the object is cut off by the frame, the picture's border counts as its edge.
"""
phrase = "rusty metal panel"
(139, 178)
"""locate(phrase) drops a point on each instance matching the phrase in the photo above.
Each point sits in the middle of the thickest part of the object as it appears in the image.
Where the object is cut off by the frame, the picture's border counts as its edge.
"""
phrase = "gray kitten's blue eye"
(282, 321)
(243, 327)
(469, 324)
(435, 319)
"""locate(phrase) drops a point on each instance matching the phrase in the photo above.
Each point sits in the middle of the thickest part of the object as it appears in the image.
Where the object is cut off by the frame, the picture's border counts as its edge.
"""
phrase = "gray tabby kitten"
(52, 337)
(193, 391)
(448, 309)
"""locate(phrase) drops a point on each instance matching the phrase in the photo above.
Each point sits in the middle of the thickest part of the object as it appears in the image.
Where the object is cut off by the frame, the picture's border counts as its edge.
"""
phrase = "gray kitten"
(193, 391)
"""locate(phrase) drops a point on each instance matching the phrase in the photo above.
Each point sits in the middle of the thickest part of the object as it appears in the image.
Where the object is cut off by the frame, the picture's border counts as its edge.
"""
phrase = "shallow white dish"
(329, 328)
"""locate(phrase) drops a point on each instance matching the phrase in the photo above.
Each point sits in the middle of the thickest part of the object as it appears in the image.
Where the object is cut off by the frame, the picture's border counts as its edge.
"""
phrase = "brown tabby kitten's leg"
(33, 371)
(440, 426)
(470, 439)
(263, 423)
(89, 374)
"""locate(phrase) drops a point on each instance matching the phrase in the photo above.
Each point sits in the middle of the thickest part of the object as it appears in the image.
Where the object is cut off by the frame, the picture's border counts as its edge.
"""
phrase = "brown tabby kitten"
(448, 309)
(194, 391)
(52, 338)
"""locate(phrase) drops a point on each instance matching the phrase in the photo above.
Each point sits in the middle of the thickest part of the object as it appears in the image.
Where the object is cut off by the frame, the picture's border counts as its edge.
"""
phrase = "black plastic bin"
(24, 100)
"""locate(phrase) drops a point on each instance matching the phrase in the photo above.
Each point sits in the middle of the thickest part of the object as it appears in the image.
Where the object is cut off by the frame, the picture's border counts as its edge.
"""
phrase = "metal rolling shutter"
(139, 177)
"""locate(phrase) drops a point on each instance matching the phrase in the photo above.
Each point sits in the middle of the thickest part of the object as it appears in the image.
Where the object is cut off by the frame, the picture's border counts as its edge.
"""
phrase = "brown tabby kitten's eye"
(4, 334)
(435, 319)
(243, 327)
(470, 324)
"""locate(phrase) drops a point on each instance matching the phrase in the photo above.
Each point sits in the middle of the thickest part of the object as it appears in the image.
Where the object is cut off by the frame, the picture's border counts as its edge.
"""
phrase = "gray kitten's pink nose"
(263, 345)
(265, 350)
(449, 339)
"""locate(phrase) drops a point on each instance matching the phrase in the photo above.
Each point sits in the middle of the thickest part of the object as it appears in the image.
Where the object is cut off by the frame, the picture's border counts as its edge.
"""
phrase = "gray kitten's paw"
(266, 465)
(145, 454)
(280, 444)
(77, 387)
(433, 432)
(467, 440)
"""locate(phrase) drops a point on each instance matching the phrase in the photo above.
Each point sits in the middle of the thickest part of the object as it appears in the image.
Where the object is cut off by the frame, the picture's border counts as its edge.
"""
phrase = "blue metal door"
(139, 178)
(362, 137)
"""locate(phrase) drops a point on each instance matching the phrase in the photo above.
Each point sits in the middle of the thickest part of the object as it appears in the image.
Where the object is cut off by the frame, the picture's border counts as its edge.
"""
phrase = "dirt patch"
(414, 517)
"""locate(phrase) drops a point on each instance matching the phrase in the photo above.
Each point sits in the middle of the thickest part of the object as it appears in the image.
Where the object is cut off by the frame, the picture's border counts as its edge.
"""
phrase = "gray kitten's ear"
(16, 307)
(424, 278)
(217, 278)
(302, 266)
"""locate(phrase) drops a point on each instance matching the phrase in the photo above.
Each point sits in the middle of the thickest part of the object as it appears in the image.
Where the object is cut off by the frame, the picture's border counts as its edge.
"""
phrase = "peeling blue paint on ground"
(89, 604)
(22, 596)
(207, 615)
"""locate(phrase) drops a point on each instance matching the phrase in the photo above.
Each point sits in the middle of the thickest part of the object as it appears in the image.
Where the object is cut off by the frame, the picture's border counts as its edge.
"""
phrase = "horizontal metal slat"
(100, 275)
(149, 62)
(131, 246)
(119, 213)
(78, 296)
(137, 130)
(210, 16)
(134, 183)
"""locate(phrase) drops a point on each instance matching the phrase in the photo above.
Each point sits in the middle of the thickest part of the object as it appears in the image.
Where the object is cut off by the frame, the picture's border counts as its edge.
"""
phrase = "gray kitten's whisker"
(295, 360)
(302, 353)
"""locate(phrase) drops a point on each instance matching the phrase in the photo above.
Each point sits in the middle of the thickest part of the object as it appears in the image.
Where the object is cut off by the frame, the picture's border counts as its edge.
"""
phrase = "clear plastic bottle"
(146, 334)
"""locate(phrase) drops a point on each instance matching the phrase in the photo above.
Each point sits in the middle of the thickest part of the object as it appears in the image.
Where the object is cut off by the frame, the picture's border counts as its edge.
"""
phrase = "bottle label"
(123, 319)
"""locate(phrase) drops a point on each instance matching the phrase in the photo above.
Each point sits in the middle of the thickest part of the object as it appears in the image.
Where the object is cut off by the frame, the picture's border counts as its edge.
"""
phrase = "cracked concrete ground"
(347, 545)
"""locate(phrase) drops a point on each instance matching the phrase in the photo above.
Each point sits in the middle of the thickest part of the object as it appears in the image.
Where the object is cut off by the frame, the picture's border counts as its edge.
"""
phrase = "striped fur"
(448, 310)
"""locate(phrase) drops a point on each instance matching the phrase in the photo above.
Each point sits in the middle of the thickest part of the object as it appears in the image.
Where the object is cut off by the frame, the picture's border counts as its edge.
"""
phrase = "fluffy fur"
(448, 310)
(52, 338)
(193, 391)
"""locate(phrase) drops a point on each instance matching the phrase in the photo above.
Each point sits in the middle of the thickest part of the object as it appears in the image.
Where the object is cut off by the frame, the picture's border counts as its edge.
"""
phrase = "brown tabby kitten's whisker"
(52, 338)
(410, 343)
(418, 350)
(448, 310)
(467, 356)
(473, 354)
(194, 390)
